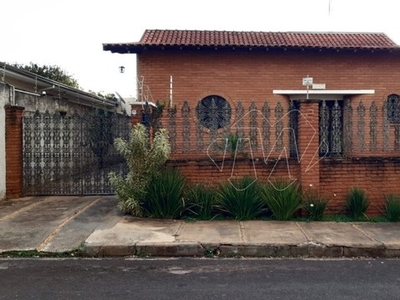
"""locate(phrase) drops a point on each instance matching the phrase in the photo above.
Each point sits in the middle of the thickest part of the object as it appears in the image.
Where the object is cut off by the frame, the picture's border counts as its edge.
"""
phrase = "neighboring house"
(340, 130)
(44, 127)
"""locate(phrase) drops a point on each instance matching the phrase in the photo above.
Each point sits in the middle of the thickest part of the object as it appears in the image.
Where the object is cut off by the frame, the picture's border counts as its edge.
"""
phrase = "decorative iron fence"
(67, 155)
(345, 128)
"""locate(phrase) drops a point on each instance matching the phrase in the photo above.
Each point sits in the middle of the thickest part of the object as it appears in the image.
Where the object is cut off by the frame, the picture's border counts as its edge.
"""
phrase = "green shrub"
(282, 198)
(356, 203)
(144, 162)
(200, 200)
(165, 195)
(315, 207)
(234, 143)
(240, 199)
(392, 208)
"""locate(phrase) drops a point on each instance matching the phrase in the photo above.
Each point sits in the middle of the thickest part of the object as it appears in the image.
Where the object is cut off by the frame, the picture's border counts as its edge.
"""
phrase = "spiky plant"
(392, 208)
(240, 199)
(356, 203)
(201, 201)
(165, 195)
(283, 198)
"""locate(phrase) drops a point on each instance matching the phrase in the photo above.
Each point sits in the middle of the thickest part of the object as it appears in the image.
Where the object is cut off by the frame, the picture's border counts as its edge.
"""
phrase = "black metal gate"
(71, 155)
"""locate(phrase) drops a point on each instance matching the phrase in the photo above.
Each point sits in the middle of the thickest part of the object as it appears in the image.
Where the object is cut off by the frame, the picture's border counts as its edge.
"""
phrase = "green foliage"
(165, 195)
(240, 199)
(51, 72)
(356, 203)
(284, 199)
(234, 144)
(315, 207)
(392, 208)
(201, 200)
(144, 162)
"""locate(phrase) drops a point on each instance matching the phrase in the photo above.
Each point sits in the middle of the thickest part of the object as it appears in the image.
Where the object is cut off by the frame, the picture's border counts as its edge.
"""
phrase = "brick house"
(318, 108)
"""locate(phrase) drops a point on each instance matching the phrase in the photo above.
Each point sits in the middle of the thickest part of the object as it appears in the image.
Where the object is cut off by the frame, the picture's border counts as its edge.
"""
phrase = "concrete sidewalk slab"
(123, 238)
(211, 233)
(26, 229)
(334, 233)
(95, 225)
(13, 206)
(272, 232)
(101, 213)
(387, 234)
(41, 223)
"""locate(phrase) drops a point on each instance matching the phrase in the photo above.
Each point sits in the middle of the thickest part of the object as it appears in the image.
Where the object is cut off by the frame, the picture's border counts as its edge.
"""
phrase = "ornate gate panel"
(72, 155)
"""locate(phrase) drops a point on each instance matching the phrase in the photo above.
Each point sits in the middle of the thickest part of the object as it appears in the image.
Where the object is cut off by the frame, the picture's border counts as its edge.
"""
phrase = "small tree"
(144, 161)
(51, 72)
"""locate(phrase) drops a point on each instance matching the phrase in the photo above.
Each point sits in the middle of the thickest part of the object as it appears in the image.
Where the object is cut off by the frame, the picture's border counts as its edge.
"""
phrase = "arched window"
(213, 112)
(393, 109)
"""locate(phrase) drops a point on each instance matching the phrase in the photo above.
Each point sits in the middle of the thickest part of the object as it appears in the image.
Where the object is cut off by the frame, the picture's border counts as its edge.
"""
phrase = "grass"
(40, 254)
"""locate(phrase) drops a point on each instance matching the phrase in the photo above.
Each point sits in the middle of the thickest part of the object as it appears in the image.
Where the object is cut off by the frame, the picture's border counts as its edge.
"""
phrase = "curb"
(195, 249)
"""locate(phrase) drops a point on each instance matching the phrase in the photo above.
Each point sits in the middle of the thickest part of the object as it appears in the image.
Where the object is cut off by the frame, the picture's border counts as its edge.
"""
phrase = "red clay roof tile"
(265, 39)
(204, 38)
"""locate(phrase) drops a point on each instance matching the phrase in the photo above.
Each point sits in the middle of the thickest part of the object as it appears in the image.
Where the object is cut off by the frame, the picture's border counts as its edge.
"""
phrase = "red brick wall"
(253, 75)
(208, 172)
(378, 177)
(14, 137)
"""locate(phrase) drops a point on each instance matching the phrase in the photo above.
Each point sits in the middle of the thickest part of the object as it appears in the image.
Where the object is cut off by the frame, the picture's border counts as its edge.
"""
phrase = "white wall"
(4, 92)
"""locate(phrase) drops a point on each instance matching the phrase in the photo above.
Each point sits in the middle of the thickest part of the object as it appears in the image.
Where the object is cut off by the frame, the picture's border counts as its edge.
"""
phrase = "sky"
(70, 34)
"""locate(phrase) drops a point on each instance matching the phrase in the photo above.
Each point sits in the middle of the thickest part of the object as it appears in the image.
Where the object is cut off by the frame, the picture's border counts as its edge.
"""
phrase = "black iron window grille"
(393, 109)
(331, 128)
(213, 112)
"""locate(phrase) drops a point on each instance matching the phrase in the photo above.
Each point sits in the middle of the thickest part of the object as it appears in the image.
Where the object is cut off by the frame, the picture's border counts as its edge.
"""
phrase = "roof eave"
(138, 48)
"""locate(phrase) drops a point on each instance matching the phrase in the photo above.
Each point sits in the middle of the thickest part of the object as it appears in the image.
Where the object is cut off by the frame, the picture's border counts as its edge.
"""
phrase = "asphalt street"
(201, 278)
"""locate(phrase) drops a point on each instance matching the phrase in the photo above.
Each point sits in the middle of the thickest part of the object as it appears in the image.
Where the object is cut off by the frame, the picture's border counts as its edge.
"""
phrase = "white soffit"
(321, 94)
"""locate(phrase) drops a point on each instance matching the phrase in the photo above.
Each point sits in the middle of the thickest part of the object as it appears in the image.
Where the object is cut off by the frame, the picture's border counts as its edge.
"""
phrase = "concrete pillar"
(308, 145)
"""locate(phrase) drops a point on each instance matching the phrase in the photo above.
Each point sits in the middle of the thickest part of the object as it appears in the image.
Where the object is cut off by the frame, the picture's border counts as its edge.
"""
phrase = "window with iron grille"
(393, 109)
(331, 128)
(213, 112)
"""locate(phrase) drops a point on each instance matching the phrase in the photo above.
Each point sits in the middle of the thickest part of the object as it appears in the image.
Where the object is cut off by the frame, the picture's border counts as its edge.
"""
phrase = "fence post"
(14, 155)
(308, 145)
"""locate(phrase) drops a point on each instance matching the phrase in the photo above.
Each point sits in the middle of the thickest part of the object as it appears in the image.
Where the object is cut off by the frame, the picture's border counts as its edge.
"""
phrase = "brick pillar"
(136, 116)
(14, 175)
(308, 144)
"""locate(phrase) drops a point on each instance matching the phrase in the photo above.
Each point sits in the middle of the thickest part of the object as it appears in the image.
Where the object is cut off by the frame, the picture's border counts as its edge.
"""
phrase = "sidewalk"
(94, 225)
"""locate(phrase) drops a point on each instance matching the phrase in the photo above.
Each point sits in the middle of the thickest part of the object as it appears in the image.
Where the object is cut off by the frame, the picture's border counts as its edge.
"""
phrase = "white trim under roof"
(321, 94)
